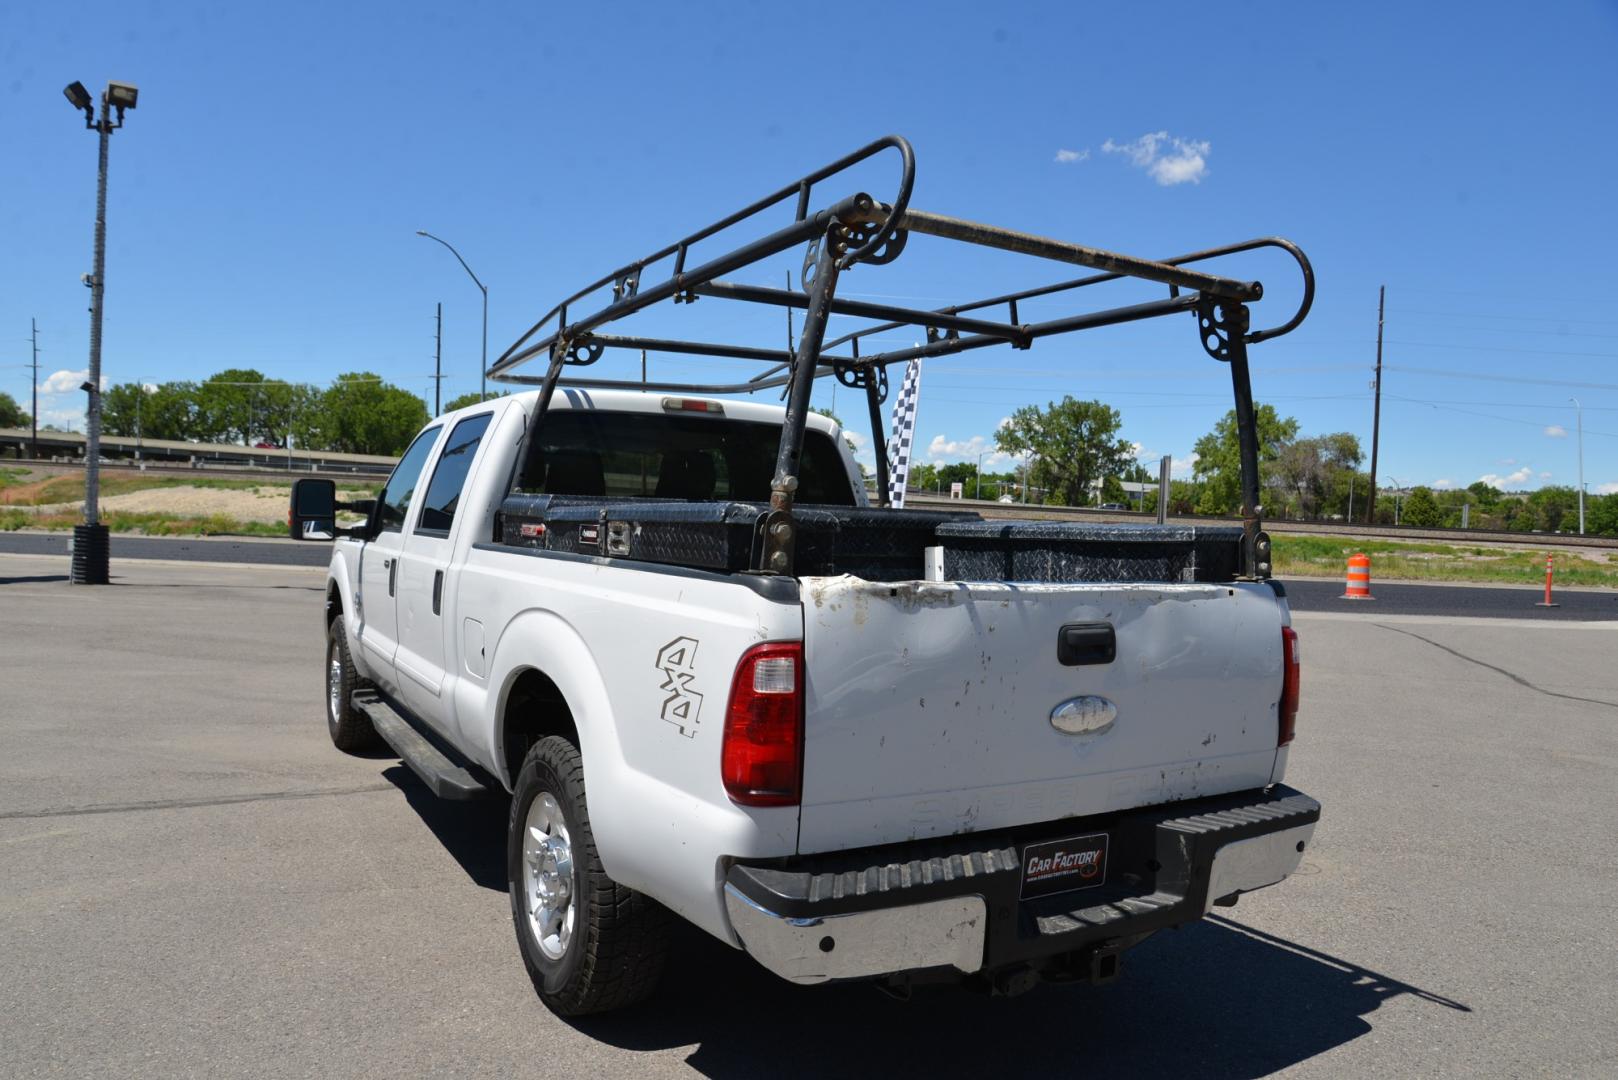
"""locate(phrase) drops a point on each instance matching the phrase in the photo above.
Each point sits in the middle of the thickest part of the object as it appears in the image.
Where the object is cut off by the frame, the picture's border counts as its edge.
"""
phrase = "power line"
(1440, 373)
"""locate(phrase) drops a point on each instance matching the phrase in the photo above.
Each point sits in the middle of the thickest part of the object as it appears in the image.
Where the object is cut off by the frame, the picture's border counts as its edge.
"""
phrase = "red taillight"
(762, 756)
(1289, 685)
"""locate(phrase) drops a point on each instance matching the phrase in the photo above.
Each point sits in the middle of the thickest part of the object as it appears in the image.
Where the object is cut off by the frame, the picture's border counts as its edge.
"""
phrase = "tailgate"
(930, 704)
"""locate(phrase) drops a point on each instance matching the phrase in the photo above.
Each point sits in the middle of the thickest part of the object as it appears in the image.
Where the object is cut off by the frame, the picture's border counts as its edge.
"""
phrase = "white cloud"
(1511, 480)
(1544, 476)
(856, 438)
(942, 449)
(1184, 467)
(1168, 159)
(1607, 489)
(71, 419)
(1070, 157)
(60, 382)
(1443, 485)
(1556, 431)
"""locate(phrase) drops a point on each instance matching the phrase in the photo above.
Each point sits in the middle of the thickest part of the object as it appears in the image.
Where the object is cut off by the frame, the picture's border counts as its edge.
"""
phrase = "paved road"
(198, 549)
(1494, 602)
(1305, 595)
(194, 883)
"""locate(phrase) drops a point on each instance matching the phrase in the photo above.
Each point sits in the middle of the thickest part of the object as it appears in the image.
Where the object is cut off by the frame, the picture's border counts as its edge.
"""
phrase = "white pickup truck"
(859, 742)
(889, 765)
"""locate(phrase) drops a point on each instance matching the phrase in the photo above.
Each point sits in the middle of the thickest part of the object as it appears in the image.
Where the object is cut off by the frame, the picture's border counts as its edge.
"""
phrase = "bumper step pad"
(1163, 870)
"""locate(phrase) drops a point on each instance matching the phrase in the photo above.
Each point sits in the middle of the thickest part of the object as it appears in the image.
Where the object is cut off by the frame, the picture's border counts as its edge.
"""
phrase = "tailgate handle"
(1086, 643)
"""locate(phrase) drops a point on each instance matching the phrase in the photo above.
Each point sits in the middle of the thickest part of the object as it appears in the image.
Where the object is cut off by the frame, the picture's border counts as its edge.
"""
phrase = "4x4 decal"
(683, 705)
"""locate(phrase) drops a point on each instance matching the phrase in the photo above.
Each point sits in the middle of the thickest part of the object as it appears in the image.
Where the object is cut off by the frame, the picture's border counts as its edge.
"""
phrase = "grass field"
(22, 491)
(19, 487)
(1327, 556)
(149, 524)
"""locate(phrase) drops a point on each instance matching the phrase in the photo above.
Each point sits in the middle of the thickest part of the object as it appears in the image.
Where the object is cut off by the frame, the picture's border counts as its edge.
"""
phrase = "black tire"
(351, 730)
(619, 938)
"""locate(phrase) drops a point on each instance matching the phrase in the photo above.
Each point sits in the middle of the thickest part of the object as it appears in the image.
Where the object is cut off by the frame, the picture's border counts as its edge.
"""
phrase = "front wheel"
(350, 729)
(590, 944)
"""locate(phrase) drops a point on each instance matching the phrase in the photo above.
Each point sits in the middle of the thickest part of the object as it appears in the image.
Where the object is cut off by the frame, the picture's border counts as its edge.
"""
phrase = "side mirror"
(313, 514)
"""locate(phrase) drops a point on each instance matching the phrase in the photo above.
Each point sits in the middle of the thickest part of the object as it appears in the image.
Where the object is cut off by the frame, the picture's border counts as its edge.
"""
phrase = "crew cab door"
(425, 627)
(379, 562)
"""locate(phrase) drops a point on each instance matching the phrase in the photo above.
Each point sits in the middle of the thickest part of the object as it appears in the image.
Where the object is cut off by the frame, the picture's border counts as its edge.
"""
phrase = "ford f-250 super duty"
(855, 741)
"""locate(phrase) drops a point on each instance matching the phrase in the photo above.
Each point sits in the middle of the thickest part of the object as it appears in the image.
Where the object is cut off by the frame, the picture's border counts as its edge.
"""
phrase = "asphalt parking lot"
(194, 883)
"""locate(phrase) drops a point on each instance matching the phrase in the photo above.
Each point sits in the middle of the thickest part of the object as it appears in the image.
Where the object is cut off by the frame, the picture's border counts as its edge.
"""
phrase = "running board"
(446, 779)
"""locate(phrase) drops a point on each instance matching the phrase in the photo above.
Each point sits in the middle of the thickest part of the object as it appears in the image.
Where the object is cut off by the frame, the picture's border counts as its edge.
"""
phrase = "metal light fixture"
(121, 95)
(79, 97)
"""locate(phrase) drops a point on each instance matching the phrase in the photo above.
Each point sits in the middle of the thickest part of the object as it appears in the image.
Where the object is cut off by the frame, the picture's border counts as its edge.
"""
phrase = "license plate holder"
(1065, 865)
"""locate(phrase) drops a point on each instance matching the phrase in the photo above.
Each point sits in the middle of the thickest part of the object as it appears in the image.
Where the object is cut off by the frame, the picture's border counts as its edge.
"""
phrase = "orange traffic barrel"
(1359, 577)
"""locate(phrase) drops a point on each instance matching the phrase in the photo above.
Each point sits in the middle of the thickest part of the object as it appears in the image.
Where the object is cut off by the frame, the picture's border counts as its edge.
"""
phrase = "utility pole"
(33, 440)
(1580, 409)
(438, 363)
(1376, 411)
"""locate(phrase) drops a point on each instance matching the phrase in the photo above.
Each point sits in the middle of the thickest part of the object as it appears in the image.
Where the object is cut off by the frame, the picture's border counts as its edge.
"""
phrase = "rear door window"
(449, 475)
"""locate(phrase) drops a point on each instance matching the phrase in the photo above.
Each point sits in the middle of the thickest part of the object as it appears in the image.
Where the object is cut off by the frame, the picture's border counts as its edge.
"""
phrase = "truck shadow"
(474, 833)
(1216, 999)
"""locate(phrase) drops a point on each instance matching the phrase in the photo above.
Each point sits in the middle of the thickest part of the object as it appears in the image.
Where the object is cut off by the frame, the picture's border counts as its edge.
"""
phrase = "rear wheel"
(589, 943)
(350, 729)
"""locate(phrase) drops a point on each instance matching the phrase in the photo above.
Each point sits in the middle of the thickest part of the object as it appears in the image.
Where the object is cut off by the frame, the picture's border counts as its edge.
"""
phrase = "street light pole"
(1398, 490)
(1580, 409)
(979, 493)
(90, 554)
(483, 377)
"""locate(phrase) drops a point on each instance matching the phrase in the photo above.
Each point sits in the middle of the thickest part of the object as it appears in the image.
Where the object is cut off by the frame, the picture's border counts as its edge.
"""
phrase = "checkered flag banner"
(904, 429)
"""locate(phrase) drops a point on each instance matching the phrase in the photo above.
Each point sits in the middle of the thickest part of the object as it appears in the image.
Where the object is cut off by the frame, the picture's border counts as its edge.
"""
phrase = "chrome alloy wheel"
(334, 683)
(548, 877)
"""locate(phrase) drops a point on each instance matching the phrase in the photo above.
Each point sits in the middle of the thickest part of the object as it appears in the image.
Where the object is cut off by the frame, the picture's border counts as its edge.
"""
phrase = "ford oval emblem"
(1087, 715)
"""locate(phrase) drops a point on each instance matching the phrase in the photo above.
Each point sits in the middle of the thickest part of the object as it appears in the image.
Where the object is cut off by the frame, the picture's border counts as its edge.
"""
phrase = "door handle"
(438, 589)
(1086, 643)
(393, 570)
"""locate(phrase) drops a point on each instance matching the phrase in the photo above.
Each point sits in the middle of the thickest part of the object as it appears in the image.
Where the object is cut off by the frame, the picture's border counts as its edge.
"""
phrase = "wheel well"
(534, 709)
(334, 602)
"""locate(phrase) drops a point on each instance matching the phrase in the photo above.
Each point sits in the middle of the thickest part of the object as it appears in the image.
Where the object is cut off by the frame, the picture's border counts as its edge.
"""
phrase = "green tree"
(1601, 514)
(1219, 459)
(1308, 474)
(470, 398)
(164, 411)
(1073, 442)
(229, 406)
(12, 414)
(923, 476)
(361, 414)
(1420, 508)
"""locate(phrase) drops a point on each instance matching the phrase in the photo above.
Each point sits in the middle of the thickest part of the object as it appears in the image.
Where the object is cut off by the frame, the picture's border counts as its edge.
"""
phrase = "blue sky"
(265, 195)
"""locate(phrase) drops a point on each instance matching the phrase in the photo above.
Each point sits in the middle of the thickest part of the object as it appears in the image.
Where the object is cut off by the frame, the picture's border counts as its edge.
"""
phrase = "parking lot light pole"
(90, 547)
(483, 377)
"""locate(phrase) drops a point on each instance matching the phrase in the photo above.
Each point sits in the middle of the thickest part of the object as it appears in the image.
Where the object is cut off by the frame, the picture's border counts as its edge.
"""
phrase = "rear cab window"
(690, 458)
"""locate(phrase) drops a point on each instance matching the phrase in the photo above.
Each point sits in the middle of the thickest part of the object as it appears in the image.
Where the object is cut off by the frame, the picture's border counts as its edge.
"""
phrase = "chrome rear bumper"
(932, 906)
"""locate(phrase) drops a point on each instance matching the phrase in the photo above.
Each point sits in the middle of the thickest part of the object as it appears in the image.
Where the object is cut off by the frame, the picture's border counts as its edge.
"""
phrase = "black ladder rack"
(857, 228)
